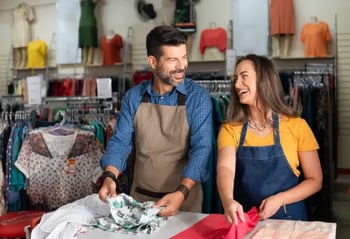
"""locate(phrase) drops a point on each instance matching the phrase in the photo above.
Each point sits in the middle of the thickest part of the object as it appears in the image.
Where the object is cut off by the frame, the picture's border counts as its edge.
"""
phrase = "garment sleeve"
(201, 129)
(227, 137)
(30, 16)
(307, 140)
(23, 159)
(120, 144)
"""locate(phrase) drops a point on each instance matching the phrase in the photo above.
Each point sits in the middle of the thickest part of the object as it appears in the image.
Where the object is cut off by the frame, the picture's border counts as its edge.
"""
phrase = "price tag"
(71, 166)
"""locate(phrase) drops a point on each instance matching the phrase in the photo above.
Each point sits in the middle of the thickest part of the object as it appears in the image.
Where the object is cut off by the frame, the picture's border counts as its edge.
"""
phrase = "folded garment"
(291, 229)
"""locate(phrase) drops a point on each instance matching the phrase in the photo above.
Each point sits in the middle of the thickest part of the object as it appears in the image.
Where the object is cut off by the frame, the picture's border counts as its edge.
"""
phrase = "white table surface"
(173, 226)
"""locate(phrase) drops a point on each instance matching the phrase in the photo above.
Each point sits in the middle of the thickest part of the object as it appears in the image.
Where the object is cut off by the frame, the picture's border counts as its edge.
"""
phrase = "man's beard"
(167, 79)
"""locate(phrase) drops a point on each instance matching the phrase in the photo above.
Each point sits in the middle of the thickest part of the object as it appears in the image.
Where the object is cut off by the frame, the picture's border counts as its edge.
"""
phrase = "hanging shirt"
(111, 49)
(315, 37)
(213, 38)
(37, 52)
(60, 166)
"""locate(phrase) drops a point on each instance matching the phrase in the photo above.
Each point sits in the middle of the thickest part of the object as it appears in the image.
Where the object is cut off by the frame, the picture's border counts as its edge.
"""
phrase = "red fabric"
(66, 88)
(215, 226)
(140, 76)
(12, 224)
(216, 37)
(111, 49)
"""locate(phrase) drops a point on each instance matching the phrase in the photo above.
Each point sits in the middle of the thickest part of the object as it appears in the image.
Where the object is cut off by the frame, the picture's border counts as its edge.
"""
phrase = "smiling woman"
(262, 141)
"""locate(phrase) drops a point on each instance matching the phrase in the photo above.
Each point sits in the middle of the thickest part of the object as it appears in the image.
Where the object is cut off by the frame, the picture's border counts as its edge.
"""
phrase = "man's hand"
(170, 203)
(108, 189)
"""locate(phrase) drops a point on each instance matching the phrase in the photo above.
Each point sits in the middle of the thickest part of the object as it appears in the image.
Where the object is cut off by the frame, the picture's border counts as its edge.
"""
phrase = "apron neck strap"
(180, 98)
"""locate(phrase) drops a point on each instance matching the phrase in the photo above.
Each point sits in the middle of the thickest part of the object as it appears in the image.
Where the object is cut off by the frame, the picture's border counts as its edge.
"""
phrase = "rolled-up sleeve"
(199, 114)
(120, 144)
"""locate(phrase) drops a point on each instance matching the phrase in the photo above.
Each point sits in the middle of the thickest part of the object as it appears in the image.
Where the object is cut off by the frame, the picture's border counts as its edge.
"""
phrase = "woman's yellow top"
(295, 136)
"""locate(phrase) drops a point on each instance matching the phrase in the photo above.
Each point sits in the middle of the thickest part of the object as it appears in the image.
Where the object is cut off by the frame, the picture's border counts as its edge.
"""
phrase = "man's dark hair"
(163, 36)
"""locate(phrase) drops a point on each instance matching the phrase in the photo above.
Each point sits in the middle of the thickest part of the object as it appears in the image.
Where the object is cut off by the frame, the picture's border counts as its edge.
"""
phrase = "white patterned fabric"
(60, 166)
(130, 216)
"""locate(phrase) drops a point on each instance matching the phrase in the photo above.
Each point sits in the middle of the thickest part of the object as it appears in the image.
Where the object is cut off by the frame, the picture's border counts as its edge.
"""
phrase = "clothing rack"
(216, 86)
(80, 101)
(312, 95)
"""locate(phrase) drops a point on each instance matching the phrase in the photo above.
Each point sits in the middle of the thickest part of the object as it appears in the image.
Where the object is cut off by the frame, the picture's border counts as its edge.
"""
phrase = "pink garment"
(215, 226)
(213, 38)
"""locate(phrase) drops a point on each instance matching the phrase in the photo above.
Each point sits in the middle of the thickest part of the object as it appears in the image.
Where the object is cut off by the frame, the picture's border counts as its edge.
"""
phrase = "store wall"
(119, 15)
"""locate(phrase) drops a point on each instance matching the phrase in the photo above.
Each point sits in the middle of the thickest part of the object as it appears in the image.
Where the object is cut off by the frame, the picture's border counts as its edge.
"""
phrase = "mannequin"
(110, 34)
(281, 44)
(314, 19)
(20, 57)
(23, 15)
(282, 26)
(88, 31)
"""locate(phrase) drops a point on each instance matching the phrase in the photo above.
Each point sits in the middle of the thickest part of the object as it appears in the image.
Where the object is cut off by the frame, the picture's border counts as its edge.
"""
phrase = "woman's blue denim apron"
(262, 171)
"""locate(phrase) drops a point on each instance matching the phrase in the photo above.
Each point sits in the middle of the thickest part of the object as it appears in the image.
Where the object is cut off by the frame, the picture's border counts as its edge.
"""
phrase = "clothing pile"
(121, 213)
(130, 216)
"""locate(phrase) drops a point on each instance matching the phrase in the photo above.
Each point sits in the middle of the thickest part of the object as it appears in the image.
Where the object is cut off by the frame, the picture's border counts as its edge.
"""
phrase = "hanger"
(212, 25)
(61, 128)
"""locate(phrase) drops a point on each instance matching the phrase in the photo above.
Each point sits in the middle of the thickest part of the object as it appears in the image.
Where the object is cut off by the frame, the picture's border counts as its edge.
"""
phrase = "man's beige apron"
(162, 141)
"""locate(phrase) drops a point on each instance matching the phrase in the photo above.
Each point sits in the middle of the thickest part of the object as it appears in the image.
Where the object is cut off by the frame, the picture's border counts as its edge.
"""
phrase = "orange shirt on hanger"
(315, 37)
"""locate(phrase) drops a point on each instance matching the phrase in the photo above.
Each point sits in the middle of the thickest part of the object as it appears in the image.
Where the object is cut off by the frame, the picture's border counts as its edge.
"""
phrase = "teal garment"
(218, 119)
(226, 100)
(99, 133)
(18, 181)
(17, 177)
(88, 25)
(211, 198)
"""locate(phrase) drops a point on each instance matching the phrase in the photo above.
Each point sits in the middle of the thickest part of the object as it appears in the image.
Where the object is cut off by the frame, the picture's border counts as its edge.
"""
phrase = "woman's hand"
(234, 212)
(270, 205)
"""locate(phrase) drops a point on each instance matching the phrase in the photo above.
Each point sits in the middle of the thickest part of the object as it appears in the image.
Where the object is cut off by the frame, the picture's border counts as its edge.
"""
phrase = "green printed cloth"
(131, 217)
